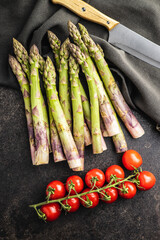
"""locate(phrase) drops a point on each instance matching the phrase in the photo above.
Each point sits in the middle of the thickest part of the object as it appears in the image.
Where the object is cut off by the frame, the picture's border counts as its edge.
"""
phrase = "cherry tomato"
(78, 184)
(114, 170)
(128, 190)
(147, 180)
(131, 160)
(111, 195)
(58, 189)
(95, 175)
(73, 202)
(93, 197)
(52, 211)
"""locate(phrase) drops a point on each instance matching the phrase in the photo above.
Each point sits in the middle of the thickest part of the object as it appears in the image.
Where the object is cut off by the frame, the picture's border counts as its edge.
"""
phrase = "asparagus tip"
(76, 52)
(65, 43)
(34, 49)
(82, 29)
(69, 23)
(10, 58)
(64, 51)
(52, 37)
(71, 28)
(14, 64)
(14, 40)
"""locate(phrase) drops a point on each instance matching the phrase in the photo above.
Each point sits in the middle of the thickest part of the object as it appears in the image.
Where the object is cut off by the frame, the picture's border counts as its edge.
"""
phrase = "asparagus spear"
(39, 111)
(78, 118)
(64, 94)
(55, 44)
(57, 149)
(87, 112)
(107, 112)
(120, 142)
(87, 135)
(24, 85)
(55, 143)
(113, 91)
(63, 129)
(103, 129)
(85, 104)
(100, 49)
(23, 58)
(95, 120)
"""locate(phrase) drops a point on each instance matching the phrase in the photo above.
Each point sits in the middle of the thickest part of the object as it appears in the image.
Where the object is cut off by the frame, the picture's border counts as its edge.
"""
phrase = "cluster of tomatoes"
(97, 190)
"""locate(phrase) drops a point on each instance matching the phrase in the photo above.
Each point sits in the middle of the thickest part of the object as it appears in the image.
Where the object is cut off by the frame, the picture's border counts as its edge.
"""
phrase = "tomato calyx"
(114, 178)
(40, 214)
(94, 180)
(71, 186)
(88, 202)
(124, 189)
(105, 197)
(66, 206)
(50, 191)
(136, 180)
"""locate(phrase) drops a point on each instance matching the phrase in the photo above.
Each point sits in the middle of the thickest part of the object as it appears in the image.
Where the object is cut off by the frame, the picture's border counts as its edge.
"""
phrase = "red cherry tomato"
(93, 197)
(58, 190)
(131, 160)
(128, 190)
(73, 202)
(147, 180)
(78, 184)
(111, 195)
(52, 211)
(95, 175)
(114, 170)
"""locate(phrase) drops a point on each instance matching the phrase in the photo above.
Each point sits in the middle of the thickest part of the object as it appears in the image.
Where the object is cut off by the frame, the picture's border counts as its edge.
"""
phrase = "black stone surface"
(23, 184)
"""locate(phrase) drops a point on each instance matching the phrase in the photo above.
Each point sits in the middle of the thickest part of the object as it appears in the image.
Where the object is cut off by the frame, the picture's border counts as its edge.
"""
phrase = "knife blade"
(119, 35)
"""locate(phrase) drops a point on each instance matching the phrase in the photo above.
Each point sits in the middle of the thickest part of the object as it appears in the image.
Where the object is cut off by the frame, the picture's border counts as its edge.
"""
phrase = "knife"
(119, 35)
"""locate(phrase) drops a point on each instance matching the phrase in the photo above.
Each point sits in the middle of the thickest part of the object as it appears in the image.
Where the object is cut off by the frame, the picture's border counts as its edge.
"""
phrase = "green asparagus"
(95, 119)
(55, 143)
(64, 93)
(103, 129)
(22, 56)
(24, 85)
(57, 149)
(39, 111)
(55, 44)
(87, 135)
(63, 129)
(78, 118)
(87, 112)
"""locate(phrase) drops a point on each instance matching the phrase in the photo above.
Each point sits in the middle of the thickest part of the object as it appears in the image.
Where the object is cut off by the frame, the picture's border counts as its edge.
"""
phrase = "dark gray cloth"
(29, 20)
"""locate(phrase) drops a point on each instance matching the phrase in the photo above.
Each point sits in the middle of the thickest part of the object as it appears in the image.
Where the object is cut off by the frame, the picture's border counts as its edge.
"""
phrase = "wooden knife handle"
(87, 12)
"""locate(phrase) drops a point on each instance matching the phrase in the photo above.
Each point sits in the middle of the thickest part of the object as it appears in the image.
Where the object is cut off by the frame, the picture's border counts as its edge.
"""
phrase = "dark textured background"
(23, 184)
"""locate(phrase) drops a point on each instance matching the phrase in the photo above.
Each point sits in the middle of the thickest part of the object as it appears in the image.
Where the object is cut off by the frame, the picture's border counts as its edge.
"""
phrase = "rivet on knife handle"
(87, 12)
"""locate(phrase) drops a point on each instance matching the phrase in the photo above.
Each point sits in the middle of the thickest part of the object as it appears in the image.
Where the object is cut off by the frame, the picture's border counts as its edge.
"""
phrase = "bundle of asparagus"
(75, 121)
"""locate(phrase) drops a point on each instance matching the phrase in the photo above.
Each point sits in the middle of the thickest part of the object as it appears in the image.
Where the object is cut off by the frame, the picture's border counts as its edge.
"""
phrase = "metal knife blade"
(133, 43)
(119, 35)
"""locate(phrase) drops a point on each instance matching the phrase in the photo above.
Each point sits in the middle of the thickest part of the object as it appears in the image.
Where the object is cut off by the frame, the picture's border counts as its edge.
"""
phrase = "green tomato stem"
(85, 193)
